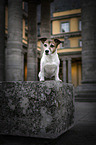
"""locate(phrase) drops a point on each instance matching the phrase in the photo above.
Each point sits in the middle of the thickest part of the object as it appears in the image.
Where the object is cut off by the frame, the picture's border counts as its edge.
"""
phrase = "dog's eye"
(45, 45)
(52, 45)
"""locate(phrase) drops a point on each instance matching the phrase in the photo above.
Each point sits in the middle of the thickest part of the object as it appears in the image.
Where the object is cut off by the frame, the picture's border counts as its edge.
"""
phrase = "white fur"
(49, 66)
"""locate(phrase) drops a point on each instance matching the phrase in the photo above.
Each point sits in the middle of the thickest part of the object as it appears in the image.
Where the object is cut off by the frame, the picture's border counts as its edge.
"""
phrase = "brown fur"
(54, 42)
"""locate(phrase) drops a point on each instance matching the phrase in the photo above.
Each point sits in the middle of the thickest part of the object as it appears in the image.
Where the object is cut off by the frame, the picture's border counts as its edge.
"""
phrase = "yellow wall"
(73, 24)
(23, 33)
(76, 73)
(38, 45)
(69, 50)
(74, 42)
(55, 27)
(72, 21)
(75, 11)
(23, 28)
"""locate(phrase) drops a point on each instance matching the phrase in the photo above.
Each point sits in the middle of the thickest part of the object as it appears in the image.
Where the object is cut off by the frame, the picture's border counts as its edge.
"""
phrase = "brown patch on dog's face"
(50, 45)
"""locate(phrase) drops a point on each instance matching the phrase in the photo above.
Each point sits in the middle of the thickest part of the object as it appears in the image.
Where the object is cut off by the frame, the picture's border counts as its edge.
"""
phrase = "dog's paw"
(60, 80)
(41, 80)
(57, 79)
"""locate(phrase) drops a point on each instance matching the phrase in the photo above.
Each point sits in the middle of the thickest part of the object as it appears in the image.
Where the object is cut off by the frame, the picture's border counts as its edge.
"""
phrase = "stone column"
(88, 87)
(64, 70)
(14, 42)
(45, 20)
(32, 41)
(69, 70)
(2, 40)
(89, 41)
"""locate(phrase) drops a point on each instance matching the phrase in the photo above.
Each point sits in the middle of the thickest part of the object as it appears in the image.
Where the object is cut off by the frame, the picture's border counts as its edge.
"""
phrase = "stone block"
(36, 109)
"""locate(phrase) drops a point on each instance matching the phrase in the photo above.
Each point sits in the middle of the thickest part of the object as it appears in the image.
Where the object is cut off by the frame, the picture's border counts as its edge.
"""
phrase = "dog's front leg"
(41, 74)
(57, 74)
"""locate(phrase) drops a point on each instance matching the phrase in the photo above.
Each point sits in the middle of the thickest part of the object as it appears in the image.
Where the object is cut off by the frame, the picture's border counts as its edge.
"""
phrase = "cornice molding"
(69, 34)
(66, 17)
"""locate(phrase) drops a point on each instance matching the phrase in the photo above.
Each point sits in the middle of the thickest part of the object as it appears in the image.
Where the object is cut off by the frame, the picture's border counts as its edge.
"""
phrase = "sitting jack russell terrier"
(49, 65)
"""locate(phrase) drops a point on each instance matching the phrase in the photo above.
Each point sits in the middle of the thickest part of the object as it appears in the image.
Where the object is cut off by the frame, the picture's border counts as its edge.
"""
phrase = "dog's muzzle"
(46, 52)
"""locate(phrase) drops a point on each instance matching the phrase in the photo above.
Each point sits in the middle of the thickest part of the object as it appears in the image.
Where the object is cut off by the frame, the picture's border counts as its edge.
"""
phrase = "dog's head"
(50, 45)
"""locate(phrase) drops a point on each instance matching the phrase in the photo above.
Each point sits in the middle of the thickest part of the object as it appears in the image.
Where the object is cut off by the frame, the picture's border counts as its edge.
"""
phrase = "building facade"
(20, 48)
(66, 26)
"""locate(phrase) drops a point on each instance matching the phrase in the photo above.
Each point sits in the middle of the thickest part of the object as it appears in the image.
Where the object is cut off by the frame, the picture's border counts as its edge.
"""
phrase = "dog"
(49, 64)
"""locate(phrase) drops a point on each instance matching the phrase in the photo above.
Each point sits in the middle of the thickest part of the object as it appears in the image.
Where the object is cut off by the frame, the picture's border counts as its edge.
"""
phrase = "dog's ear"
(43, 40)
(57, 41)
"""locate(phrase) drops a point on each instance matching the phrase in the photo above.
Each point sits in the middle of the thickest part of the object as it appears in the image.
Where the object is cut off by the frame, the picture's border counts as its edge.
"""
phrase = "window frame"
(79, 42)
(61, 26)
(26, 28)
(79, 28)
(61, 44)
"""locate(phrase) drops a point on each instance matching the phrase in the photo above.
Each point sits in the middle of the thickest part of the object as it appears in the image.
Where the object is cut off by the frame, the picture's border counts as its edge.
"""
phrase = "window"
(65, 27)
(62, 44)
(80, 43)
(26, 32)
(80, 25)
(67, 43)
(51, 28)
(26, 23)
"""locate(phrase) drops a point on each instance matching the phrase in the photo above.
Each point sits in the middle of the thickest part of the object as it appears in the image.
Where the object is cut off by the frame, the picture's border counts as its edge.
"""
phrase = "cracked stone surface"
(36, 109)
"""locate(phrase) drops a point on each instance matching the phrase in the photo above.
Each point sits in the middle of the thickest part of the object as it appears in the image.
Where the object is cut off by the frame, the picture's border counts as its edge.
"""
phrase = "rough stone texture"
(14, 43)
(32, 42)
(2, 40)
(36, 109)
(83, 132)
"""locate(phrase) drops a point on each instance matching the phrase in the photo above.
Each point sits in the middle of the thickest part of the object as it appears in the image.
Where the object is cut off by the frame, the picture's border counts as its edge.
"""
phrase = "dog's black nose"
(46, 51)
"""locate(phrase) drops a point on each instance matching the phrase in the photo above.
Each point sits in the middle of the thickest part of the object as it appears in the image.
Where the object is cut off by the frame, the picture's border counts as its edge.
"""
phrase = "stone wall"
(36, 109)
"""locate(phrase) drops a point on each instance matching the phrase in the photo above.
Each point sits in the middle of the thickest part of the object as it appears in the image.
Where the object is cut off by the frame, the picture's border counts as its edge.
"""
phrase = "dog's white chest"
(50, 65)
(50, 69)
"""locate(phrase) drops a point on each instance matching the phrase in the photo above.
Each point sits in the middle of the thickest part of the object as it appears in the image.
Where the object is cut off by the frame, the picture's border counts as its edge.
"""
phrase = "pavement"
(83, 132)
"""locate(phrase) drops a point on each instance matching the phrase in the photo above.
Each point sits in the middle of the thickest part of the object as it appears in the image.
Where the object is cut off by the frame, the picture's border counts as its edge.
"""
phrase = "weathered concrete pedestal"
(36, 109)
